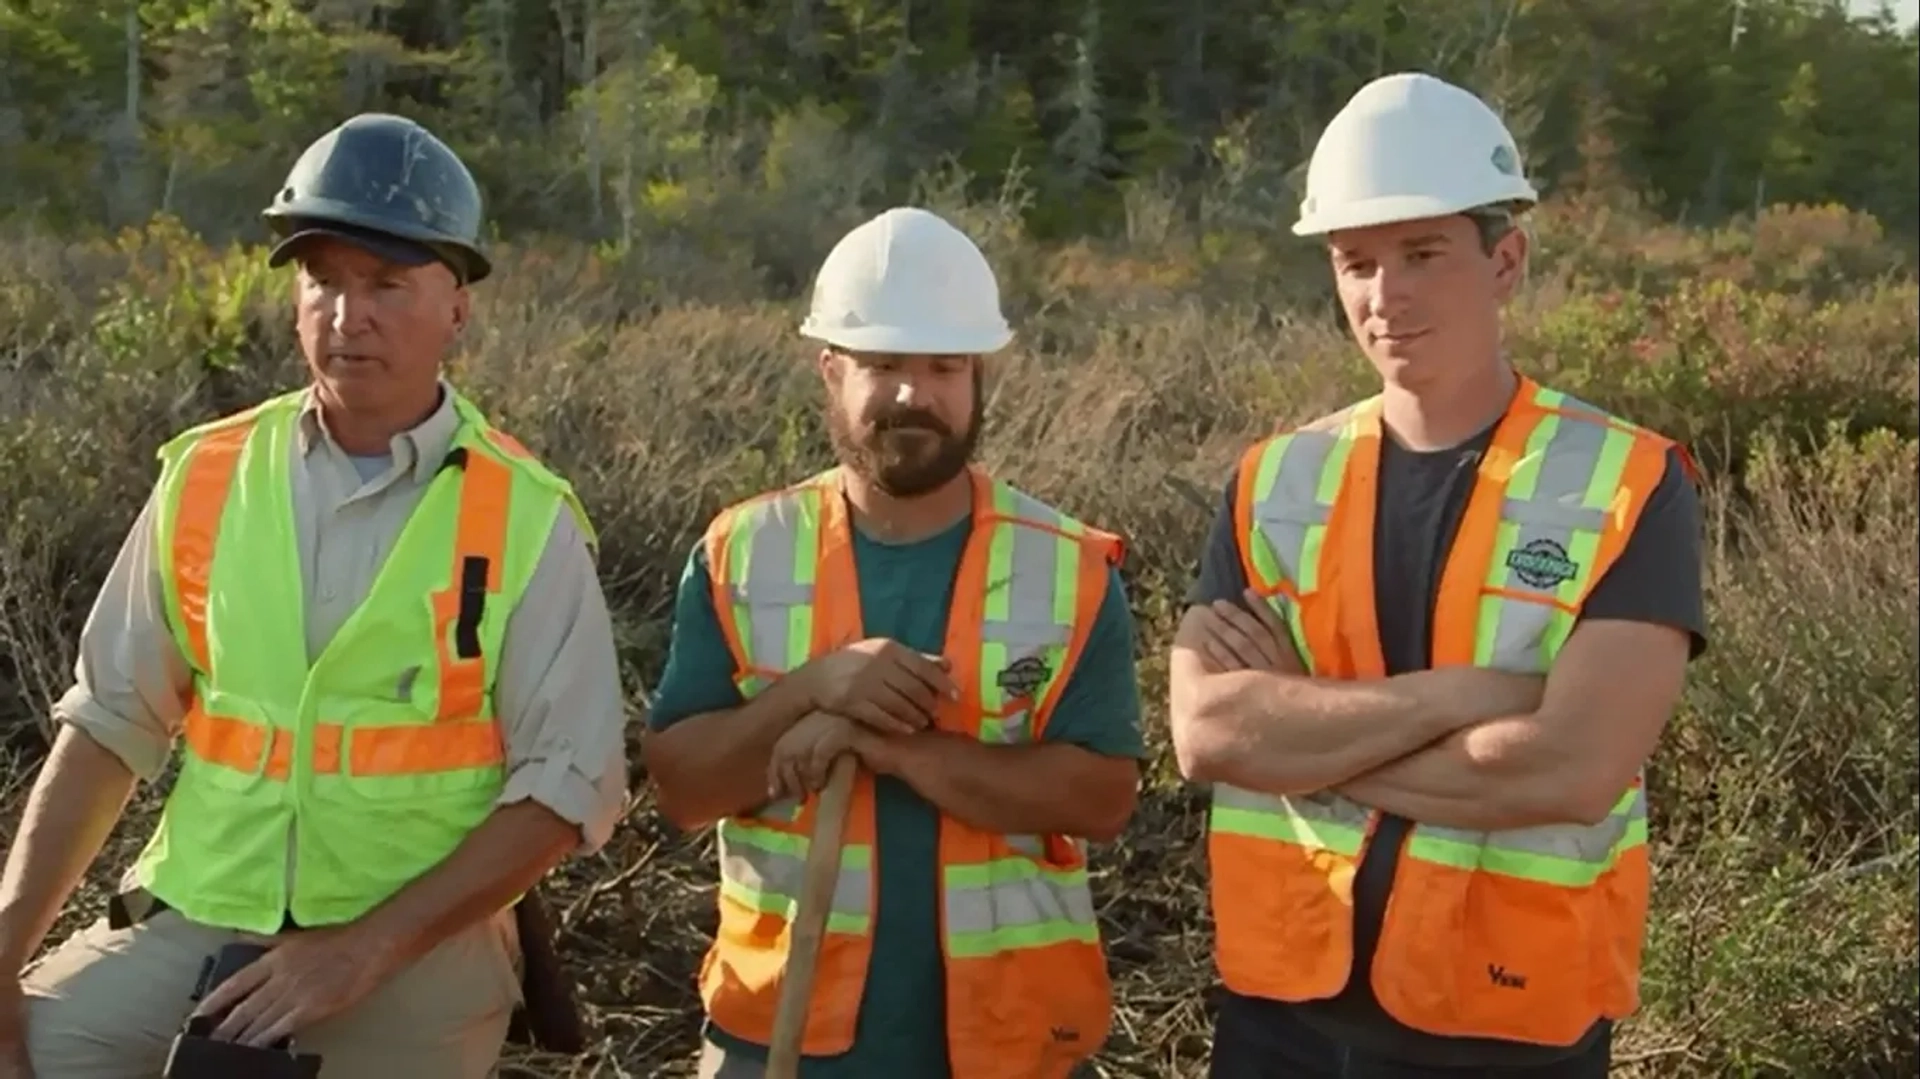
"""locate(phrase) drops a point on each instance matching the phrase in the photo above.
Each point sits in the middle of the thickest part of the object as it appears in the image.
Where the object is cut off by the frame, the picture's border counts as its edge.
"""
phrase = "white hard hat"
(907, 282)
(1409, 146)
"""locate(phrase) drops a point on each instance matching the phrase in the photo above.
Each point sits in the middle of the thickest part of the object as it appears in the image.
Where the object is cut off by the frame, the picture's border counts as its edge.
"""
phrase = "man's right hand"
(803, 757)
(881, 684)
(14, 1063)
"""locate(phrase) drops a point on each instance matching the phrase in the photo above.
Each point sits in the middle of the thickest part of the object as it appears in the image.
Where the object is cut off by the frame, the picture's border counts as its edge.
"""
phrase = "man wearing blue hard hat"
(372, 623)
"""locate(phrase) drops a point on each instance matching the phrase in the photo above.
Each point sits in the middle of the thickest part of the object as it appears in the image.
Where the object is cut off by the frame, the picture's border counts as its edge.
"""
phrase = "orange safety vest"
(1028, 992)
(1525, 935)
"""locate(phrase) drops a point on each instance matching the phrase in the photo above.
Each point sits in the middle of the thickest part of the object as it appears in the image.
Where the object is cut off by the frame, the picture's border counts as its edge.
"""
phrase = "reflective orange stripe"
(399, 751)
(236, 743)
(507, 444)
(1351, 619)
(458, 738)
(486, 487)
(239, 744)
(203, 497)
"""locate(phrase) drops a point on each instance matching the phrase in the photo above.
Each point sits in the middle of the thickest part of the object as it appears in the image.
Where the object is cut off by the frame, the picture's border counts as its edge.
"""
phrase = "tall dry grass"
(665, 384)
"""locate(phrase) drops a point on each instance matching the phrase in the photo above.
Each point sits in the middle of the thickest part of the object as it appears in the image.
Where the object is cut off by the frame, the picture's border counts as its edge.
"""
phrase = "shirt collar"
(423, 448)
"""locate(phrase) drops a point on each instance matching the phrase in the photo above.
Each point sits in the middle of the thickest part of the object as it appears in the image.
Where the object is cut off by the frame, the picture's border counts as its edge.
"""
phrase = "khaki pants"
(107, 1003)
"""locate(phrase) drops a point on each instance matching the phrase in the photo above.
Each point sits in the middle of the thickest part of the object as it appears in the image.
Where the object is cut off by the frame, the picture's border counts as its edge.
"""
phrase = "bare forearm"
(503, 858)
(715, 765)
(1287, 734)
(1496, 775)
(74, 804)
(1011, 790)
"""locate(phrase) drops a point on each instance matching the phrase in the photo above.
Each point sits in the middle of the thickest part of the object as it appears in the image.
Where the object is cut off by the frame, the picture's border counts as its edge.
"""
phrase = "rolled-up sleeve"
(561, 705)
(130, 685)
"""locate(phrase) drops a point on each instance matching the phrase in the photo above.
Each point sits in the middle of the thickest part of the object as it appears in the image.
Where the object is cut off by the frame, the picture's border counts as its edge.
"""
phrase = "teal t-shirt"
(905, 593)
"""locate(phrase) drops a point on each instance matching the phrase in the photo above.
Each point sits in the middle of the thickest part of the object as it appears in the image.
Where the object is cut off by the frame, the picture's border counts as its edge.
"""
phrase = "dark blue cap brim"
(391, 248)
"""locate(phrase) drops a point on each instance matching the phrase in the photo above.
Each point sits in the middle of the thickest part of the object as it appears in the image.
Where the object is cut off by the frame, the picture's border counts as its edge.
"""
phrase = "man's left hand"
(309, 975)
(1237, 637)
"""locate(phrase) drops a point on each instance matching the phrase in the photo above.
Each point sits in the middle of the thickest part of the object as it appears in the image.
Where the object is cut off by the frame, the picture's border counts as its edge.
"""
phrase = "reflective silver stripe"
(1010, 501)
(763, 869)
(1015, 895)
(1569, 855)
(771, 589)
(771, 561)
(1029, 613)
(1562, 459)
(1556, 504)
(1023, 616)
(1319, 821)
(1300, 475)
(1030, 845)
(1012, 903)
(1035, 847)
(1288, 507)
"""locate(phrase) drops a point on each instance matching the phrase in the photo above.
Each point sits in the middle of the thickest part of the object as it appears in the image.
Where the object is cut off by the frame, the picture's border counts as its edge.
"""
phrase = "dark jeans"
(1277, 1044)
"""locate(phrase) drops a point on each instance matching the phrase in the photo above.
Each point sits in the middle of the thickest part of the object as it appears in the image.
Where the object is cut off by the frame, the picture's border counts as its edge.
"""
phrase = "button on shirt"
(558, 696)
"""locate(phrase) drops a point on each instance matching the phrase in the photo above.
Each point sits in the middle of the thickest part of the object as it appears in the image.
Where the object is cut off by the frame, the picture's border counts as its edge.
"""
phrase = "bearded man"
(971, 645)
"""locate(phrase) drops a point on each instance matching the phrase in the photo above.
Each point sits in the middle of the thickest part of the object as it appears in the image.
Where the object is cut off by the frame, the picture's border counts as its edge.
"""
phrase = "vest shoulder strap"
(477, 432)
(1331, 423)
(1577, 409)
(176, 447)
(756, 506)
(1015, 505)
(1009, 502)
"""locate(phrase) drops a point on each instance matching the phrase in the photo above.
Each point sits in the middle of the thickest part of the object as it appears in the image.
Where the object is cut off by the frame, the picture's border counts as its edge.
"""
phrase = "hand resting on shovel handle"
(804, 756)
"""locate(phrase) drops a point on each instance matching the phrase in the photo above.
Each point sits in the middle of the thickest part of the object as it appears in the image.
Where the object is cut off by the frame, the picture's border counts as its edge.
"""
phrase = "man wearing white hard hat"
(1434, 639)
(970, 644)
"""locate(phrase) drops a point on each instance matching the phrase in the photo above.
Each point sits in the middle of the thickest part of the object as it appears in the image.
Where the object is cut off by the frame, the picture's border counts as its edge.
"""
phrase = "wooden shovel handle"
(809, 926)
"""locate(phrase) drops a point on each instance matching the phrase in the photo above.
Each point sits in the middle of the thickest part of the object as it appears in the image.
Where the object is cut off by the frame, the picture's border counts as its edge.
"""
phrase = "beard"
(905, 452)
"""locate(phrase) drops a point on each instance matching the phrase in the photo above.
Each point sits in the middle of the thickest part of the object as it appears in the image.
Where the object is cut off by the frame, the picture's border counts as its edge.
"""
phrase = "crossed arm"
(1048, 788)
(717, 764)
(710, 755)
(1463, 747)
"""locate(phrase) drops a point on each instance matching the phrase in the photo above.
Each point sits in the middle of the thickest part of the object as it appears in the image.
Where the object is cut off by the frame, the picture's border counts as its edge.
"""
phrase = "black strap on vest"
(473, 604)
(473, 583)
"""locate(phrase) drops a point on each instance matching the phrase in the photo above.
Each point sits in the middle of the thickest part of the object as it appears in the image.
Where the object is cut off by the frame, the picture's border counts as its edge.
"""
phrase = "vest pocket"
(1033, 1012)
(231, 746)
(1619, 941)
(1282, 892)
(1469, 952)
(1027, 978)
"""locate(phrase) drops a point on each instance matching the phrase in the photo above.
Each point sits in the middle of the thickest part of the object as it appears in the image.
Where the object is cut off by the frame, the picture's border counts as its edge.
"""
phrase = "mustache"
(908, 420)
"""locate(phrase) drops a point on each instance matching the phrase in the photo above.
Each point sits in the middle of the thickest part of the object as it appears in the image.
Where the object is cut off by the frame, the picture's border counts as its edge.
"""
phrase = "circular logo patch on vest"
(1021, 677)
(1542, 563)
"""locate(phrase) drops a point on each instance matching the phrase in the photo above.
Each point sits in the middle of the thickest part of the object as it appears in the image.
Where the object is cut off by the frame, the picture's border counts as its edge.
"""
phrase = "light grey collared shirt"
(558, 696)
